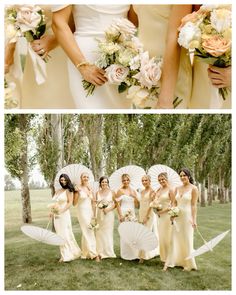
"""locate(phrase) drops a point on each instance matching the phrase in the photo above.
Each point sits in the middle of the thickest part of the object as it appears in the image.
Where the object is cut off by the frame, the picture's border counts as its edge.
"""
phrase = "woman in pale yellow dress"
(206, 82)
(54, 92)
(105, 199)
(165, 197)
(146, 215)
(158, 31)
(85, 201)
(63, 199)
(182, 234)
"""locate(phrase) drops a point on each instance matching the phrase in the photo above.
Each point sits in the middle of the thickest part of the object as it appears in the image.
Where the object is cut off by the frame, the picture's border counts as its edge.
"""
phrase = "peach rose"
(192, 17)
(216, 45)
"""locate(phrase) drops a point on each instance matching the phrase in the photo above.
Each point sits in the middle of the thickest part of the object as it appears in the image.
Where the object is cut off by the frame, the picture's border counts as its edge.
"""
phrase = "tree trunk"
(25, 194)
(210, 191)
(203, 194)
(221, 189)
(57, 134)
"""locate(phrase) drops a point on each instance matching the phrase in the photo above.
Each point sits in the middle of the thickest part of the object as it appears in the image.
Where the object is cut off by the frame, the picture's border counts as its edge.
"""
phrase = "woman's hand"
(44, 45)
(164, 105)
(93, 74)
(145, 220)
(220, 77)
(121, 218)
(194, 224)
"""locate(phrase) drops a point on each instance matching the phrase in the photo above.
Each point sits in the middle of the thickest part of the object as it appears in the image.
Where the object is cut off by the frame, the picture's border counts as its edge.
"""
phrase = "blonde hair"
(125, 175)
(147, 176)
(163, 174)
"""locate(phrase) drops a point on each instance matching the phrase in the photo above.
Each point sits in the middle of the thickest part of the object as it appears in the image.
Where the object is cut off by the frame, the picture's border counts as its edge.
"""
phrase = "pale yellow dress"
(54, 93)
(144, 206)
(62, 223)
(164, 227)
(152, 31)
(104, 234)
(182, 235)
(84, 215)
(204, 94)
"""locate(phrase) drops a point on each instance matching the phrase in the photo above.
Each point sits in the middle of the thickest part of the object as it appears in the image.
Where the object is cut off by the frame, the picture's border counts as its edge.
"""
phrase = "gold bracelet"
(83, 63)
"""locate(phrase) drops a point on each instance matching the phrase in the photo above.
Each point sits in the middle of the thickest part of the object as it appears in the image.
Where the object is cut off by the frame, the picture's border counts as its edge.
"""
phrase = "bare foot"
(165, 268)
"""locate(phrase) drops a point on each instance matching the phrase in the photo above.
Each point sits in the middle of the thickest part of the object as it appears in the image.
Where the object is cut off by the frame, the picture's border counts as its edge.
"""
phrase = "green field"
(30, 265)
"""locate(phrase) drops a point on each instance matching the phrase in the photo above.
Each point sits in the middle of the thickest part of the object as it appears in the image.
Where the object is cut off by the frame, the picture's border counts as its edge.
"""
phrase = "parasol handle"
(48, 223)
(205, 242)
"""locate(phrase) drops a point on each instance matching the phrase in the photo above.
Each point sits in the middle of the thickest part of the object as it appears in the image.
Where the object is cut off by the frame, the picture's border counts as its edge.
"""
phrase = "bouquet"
(173, 211)
(24, 21)
(9, 100)
(93, 224)
(129, 216)
(208, 32)
(102, 204)
(156, 205)
(127, 66)
(54, 208)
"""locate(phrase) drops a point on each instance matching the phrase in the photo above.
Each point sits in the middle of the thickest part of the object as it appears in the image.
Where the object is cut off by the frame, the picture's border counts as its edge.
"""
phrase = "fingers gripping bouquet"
(93, 224)
(127, 66)
(208, 32)
(54, 208)
(173, 212)
(102, 204)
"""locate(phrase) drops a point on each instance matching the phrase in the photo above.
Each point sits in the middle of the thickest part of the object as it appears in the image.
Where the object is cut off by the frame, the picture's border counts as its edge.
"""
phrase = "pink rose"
(192, 17)
(216, 45)
(28, 18)
(116, 74)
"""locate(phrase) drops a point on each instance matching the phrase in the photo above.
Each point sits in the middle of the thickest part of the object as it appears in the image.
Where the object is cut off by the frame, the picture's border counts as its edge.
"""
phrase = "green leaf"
(122, 87)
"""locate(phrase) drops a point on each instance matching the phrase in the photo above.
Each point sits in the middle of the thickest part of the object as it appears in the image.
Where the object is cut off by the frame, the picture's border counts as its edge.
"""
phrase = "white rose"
(125, 57)
(150, 71)
(140, 97)
(124, 26)
(188, 33)
(221, 19)
(135, 63)
(109, 48)
(116, 74)
(28, 18)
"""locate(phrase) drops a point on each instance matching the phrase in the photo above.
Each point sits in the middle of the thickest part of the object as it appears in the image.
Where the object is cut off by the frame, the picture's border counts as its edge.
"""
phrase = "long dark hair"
(68, 185)
(188, 173)
(102, 178)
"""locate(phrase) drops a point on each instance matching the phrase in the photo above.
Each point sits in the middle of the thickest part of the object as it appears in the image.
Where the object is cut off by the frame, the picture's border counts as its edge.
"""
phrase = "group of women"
(75, 29)
(175, 234)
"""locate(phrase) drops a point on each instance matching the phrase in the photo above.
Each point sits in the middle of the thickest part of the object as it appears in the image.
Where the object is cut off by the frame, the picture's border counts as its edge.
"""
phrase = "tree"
(17, 128)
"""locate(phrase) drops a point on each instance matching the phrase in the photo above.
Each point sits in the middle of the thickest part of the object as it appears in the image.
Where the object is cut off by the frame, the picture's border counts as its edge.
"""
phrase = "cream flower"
(124, 27)
(11, 33)
(221, 19)
(116, 74)
(28, 18)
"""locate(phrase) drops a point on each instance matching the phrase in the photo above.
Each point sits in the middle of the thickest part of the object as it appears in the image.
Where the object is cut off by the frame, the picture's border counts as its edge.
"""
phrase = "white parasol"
(208, 246)
(74, 172)
(173, 176)
(42, 235)
(135, 172)
(137, 236)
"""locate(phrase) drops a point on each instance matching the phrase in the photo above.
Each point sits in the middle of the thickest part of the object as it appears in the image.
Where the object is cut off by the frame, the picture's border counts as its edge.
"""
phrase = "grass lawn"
(30, 265)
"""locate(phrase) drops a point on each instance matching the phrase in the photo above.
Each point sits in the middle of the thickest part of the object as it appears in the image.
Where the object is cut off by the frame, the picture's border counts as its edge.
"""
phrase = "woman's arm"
(171, 57)
(60, 25)
(132, 16)
(194, 206)
(9, 56)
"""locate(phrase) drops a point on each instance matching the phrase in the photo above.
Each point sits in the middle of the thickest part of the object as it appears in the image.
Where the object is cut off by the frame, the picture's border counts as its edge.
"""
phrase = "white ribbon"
(23, 48)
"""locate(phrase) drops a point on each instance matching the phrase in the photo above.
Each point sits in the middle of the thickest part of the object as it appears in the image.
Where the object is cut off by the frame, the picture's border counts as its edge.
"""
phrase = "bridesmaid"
(206, 80)
(182, 240)
(54, 92)
(105, 219)
(62, 220)
(85, 202)
(127, 200)
(158, 31)
(146, 214)
(165, 197)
